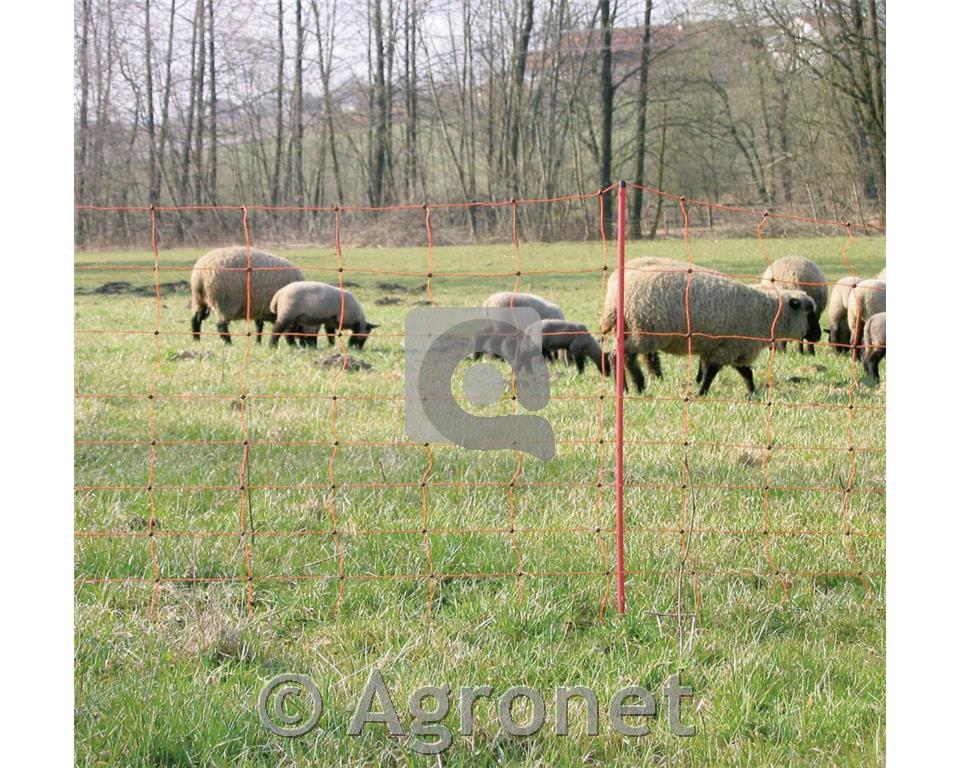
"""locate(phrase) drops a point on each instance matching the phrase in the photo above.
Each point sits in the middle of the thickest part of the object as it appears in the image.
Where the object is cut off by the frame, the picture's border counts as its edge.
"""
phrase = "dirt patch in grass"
(400, 288)
(350, 363)
(187, 354)
(123, 288)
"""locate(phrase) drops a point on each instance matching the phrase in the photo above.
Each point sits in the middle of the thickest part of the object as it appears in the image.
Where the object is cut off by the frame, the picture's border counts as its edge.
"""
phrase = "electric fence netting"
(269, 469)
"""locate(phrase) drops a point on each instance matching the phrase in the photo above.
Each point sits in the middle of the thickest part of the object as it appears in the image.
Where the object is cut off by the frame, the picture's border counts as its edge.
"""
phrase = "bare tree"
(844, 43)
(514, 115)
(381, 56)
(641, 137)
(325, 62)
(212, 182)
(607, 91)
(298, 107)
(771, 103)
(83, 138)
(278, 131)
(153, 171)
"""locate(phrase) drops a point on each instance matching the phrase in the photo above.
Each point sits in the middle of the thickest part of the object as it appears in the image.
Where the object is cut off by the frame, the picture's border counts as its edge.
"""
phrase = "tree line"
(311, 103)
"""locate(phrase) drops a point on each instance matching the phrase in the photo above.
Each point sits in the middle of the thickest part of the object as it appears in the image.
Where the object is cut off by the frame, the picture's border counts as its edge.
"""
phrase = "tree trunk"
(411, 164)
(201, 110)
(185, 158)
(298, 108)
(165, 109)
(606, 106)
(378, 154)
(84, 127)
(641, 138)
(153, 183)
(278, 132)
(212, 184)
(325, 61)
(661, 165)
(515, 114)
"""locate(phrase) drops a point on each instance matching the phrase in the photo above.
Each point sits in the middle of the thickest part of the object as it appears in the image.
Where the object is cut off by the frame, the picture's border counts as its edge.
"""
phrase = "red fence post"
(621, 247)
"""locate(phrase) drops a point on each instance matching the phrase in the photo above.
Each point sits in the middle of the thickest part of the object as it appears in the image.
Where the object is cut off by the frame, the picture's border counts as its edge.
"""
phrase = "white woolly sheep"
(730, 323)
(868, 298)
(307, 304)
(797, 273)
(837, 313)
(874, 344)
(219, 282)
(575, 339)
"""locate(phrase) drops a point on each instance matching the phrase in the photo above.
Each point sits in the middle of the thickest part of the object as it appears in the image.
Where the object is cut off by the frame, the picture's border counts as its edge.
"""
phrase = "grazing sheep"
(868, 298)
(309, 305)
(492, 344)
(882, 275)
(874, 344)
(796, 273)
(219, 282)
(546, 309)
(837, 313)
(575, 339)
(720, 308)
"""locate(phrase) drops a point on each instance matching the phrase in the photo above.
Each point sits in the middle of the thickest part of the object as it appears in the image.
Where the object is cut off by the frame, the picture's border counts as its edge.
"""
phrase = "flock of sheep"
(670, 306)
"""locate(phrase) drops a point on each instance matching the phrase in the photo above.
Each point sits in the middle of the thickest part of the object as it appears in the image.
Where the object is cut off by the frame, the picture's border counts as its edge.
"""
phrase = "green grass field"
(761, 520)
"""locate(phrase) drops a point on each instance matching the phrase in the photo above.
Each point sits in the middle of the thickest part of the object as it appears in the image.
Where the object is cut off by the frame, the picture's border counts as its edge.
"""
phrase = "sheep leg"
(331, 331)
(652, 359)
(292, 338)
(871, 363)
(699, 371)
(296, 337)
(195, 323)
(259, 324)
(602, 362)
(708, 376)
(635, 373)
(856, 341)
(223, 328)
(279, 328)
(838, 340)
(578, 359)
(747, 372)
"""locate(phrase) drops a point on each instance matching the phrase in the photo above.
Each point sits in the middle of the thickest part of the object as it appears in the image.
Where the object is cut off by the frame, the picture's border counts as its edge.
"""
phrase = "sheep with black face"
(798, 273)
(307, 304)
(575, 339)
(730, 323)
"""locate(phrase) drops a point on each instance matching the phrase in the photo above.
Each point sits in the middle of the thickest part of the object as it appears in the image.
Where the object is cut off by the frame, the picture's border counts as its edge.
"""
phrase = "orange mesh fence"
(255, 467)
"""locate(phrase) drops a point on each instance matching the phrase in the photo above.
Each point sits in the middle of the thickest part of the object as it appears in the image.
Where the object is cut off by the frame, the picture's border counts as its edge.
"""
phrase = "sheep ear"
(371, 326)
